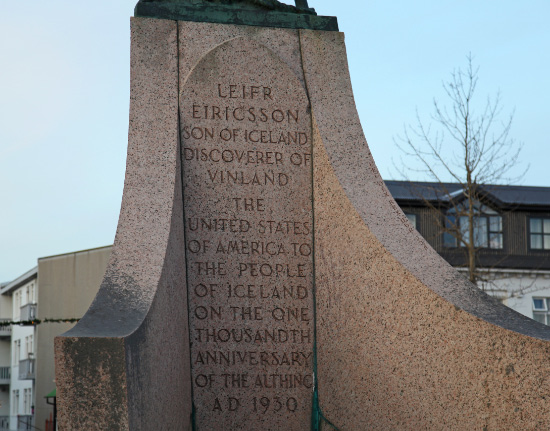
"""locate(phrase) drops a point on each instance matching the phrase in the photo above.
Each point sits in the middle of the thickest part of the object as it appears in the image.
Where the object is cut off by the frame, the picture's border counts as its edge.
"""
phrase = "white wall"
(517, 289)
(21, 296)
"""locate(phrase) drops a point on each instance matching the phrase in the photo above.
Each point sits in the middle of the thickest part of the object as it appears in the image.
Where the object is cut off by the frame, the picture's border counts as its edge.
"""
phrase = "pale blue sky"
(64, 94)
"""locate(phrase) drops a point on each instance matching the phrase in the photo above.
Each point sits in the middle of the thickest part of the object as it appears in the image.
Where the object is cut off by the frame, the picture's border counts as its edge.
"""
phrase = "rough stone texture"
(402, 341)
(140, 314)
(246, 136)
(197, 39)
(91, 384)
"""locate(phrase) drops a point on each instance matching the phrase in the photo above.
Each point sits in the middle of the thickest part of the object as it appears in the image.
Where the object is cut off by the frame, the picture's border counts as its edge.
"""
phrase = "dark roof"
(507, 196)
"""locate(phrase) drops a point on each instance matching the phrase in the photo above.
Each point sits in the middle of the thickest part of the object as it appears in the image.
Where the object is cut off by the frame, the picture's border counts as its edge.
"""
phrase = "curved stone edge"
(140, 313)
(197, 39)
(146, 272)
(404, 342)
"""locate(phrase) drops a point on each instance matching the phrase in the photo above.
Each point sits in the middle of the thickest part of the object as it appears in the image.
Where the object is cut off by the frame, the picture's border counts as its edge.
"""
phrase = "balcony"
(28, 312)
(5, 330)
(5, 375)
(26, 369)
(25, 422)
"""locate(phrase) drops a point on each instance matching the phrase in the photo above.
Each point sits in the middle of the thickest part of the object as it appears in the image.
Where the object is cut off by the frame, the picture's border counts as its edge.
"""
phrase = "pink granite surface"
(403, 342)
(198, 38)
(126, 364)
(246, 143)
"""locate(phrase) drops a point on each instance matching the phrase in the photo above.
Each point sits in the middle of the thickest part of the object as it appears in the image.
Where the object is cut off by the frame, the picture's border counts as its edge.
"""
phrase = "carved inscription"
(246, 155)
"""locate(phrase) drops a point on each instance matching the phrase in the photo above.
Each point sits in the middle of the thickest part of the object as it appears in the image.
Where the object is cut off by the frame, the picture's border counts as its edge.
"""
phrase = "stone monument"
(262, 277)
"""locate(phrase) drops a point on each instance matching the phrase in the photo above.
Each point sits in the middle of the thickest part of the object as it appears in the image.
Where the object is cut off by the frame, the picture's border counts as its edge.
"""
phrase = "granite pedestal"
(262, 277)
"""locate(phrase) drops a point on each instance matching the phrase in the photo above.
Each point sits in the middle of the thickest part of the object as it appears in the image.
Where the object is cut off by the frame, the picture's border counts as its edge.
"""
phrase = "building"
(67, 285)
(60, 287)
(511, 235)
(23, 291)
(512, 231)
(5, 359)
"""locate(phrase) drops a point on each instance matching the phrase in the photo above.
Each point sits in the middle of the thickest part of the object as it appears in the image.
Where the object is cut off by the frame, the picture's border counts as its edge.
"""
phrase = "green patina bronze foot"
(265, 13)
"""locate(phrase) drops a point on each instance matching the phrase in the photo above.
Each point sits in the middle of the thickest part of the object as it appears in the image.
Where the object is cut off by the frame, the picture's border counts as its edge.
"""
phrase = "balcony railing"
(25, 422)
(5, 330)
(4, 423)
(26, 369)
(5, 375)
(28, 312)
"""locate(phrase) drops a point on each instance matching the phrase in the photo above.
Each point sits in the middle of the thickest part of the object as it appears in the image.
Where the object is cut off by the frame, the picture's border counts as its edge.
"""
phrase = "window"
(30, 345)
(16, 351)
(539, 229)
(27, 401)
(15, 405)
(17, 306)
(487, 227)
(541, 310)
(412, 218)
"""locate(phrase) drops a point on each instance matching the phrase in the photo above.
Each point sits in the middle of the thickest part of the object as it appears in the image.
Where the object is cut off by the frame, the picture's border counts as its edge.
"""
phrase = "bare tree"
(469, 144)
